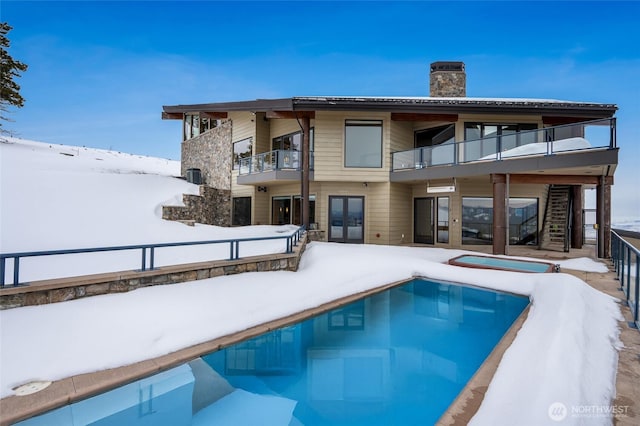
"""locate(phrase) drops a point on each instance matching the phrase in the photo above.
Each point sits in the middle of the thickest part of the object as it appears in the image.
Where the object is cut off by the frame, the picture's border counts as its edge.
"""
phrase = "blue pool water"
(397, 357)
(501, 263)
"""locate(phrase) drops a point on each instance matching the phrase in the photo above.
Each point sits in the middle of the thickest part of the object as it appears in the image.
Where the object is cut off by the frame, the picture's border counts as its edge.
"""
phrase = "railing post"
(231, 250)
(144, 259)
(612, 135)
(635, 310)
(628, 272)
(151, 257)
(16, 270)
(237, 254)
(2, 263)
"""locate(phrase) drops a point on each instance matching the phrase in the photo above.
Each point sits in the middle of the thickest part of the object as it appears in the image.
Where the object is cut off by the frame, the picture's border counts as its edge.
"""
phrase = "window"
(443, 220)
(291, 142)
(477, 221)
(435, 136)
(288, 210)
(241, 149)
(241, 215)
(363, 143)
(194, 125)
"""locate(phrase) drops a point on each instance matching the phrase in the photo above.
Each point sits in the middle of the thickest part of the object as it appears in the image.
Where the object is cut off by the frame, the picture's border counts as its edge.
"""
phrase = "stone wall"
(211, 152)
(211, 207)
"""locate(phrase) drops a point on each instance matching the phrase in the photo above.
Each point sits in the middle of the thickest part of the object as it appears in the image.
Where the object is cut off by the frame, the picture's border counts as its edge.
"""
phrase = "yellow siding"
(329, 148)
(263, 135)
(280, 127)
(400, 214)
(244, 126)
(401, 135)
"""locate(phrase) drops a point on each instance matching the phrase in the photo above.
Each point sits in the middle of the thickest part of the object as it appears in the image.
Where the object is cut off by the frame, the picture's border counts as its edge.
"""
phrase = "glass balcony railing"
(595, 134)
(273, 160)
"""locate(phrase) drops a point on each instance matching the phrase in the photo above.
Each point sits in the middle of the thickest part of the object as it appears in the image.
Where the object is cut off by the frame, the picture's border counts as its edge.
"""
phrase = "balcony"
(272, 166)
(539, 149)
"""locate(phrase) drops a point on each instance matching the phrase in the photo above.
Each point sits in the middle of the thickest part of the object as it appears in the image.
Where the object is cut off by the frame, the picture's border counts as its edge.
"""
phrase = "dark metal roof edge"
(254, 105)
(408, 105)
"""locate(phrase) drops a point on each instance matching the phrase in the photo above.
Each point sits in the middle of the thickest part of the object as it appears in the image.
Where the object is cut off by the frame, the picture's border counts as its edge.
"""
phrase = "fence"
(626, 259)
(291, 241)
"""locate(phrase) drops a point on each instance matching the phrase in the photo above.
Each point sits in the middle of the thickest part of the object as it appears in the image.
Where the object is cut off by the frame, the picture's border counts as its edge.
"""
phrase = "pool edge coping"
(470, 398)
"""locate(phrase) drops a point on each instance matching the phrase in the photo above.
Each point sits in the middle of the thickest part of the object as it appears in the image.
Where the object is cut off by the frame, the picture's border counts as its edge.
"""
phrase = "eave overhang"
(425, 105)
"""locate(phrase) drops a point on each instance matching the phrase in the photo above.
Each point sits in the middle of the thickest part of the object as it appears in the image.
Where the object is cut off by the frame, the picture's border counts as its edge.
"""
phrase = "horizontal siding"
(401, 136)
(243, 125)
(263, 134)
(329, 148)
(400, 214)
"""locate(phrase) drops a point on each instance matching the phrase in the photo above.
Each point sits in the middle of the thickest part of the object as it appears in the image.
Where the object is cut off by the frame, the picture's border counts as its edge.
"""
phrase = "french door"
(346, 219)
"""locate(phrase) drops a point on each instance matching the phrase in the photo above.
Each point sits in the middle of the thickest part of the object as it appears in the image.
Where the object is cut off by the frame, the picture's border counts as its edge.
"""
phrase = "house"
(445, 170)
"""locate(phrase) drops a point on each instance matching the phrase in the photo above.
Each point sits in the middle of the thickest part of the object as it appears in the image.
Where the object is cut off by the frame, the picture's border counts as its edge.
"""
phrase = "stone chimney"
(447, 79)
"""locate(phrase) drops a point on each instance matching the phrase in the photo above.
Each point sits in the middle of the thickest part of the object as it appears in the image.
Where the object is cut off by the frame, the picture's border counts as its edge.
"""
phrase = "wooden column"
(306, 126)
(603, 213)
(578, 225)
(499, 226)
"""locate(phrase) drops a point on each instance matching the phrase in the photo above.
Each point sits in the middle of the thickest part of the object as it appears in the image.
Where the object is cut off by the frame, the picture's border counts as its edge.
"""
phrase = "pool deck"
(13, 409)
(628, 374)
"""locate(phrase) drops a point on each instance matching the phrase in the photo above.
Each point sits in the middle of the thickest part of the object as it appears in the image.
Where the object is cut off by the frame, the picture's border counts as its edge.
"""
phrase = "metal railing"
(291, 240)
(596, 134)
(626, 260)
(273, 160)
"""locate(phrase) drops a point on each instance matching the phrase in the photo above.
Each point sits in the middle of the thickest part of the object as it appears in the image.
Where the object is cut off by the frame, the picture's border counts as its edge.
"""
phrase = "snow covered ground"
(566, 351)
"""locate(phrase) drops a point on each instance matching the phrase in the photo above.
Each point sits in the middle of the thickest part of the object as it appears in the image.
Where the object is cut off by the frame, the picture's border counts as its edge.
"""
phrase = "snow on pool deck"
(545, 364)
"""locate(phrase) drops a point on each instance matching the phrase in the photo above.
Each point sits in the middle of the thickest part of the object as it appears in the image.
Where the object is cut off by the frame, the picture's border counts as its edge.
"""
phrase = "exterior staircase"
(556, 225)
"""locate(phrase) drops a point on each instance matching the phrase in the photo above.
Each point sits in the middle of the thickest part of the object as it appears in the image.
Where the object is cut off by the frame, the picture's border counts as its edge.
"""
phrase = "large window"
(241, 149)
(241, 215)
(194, 125)
(363, 143)
(477, 221)
(495, 137)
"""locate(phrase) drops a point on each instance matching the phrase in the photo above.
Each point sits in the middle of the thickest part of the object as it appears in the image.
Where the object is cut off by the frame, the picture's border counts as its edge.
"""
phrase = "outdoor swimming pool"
(398, 357)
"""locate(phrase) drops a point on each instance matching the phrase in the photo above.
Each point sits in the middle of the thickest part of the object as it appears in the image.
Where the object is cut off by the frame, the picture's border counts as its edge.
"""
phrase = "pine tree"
(9, 70)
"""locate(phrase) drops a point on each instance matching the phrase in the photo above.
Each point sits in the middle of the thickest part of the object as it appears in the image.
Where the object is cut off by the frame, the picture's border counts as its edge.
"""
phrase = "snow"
(565, 352)
(569, 144)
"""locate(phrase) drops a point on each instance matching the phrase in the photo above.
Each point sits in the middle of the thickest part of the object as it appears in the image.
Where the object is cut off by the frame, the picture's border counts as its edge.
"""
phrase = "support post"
(603, 212)
(499, 228)
(577, 229)
(306, 167)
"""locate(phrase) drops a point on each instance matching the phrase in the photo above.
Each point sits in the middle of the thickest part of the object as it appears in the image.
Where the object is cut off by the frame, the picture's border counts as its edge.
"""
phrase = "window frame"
(234, 210)
(236, 164)
(363, 123)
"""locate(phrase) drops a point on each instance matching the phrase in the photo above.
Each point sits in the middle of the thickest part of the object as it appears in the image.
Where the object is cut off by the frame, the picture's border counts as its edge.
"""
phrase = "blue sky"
(99, 72)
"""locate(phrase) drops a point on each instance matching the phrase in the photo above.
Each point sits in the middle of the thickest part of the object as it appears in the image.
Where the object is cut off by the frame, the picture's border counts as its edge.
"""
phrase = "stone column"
(499, 226)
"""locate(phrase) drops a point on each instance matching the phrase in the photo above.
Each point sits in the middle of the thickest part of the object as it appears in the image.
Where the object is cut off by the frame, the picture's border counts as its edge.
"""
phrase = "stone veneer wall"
(448, 84)
(211, 152)
(211, 207)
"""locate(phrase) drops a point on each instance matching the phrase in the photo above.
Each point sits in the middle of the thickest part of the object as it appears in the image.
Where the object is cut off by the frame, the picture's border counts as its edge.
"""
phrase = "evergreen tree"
(9, 70)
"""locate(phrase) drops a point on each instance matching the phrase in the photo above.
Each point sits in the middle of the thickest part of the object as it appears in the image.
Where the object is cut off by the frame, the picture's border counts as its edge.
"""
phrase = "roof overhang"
(445, 107)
